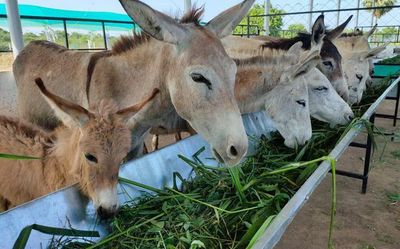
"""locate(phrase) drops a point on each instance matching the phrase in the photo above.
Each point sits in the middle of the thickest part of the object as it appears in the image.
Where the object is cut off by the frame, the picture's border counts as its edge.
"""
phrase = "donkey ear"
(367, 35)
(296, 48)
(336, 32)
(223, 24)
(154, 23)
(305, 65)
(318, 30)
(128, 112)
(373, 52)
(72, 115)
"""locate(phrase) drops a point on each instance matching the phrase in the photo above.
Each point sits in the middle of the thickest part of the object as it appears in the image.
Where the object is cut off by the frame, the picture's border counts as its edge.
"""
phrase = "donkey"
(330, 64)
(89, 149)
(184, 59)
(357, 61)
(287, 86)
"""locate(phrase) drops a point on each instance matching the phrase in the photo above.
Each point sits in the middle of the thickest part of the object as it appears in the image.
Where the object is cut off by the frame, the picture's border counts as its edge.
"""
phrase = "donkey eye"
(91, 158)
(327, 63)
(321, 88)
(301, 102)
(196, 77)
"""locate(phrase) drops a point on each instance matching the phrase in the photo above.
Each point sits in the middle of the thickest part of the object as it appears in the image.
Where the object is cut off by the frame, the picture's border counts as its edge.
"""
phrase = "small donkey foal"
(87, 149)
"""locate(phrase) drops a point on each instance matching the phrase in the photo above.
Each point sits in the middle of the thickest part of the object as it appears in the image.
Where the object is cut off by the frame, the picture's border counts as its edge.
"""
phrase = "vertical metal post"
(266, 21)
(248, 26)
(358, 12)
(14, 24)
(367, 161)
(398, 34)
(310, 23)
(66, 34)
(103, 26)
(188, 5)
(372, 14)
(396, 108)
(338, 13)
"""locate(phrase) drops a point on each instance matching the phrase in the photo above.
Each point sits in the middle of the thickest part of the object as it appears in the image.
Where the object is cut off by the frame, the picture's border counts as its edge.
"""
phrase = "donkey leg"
(178, 136)
(145, 150)
(154, 142)
(3, 204)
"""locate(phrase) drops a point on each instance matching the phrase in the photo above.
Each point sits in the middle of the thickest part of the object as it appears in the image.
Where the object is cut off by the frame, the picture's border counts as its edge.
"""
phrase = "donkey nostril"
(359, 77)
(104, 213)
(233, 151)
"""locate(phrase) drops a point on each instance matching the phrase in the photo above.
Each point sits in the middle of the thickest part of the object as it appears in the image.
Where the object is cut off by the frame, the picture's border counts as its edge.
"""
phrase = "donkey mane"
(356, 33)
(27, 130)
(126, 43)
(285, 44)
(194, 16)
(268, 56)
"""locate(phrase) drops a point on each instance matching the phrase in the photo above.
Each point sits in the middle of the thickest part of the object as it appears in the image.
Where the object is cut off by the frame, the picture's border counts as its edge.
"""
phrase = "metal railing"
(65, 20)
(241, 30)
(378, 37)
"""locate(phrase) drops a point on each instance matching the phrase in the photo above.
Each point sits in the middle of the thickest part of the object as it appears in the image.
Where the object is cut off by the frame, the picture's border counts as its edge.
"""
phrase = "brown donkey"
(88, 149)
(184, 59)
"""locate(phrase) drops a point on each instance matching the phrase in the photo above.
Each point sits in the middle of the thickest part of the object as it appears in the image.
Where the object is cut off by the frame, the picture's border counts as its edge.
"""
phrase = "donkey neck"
(257, 76)
(135, 73)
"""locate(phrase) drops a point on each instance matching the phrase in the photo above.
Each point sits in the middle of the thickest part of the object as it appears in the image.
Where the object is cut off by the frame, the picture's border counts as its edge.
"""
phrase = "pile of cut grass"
(225, 208)
(392, 60)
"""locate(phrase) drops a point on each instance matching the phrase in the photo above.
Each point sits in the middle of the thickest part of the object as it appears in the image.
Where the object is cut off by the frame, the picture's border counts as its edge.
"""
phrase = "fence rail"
(391, 36)
(64, 21)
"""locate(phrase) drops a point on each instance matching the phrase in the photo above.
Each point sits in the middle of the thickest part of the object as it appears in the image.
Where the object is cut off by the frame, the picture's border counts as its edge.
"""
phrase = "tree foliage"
(76, 40)
(297, 27)
(378, 13)
(275, 22)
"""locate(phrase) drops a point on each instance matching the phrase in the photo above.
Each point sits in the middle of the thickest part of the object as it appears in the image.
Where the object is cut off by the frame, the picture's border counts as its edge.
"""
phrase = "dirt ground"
(6, 60)
(370, 221)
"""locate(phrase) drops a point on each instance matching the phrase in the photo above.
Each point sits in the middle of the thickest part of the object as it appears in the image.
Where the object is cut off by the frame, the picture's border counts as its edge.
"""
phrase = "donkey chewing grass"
(182, 58)
(89, 149)
(287, 85)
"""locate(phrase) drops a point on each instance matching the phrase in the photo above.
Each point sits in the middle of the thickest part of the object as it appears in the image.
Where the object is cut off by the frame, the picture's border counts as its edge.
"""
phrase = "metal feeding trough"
(67, 208)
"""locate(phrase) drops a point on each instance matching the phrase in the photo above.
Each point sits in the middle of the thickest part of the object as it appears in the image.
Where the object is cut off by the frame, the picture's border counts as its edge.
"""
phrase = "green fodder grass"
(392, 60)
(226, 208)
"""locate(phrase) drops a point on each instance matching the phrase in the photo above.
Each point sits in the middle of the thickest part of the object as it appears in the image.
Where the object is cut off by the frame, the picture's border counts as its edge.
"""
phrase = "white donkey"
(357, 61)
(289, 88)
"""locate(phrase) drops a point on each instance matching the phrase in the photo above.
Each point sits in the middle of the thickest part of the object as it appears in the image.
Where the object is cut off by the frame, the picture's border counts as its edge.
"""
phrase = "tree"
(378, 13)
(5, 42)
(297, 27)
(275, 22)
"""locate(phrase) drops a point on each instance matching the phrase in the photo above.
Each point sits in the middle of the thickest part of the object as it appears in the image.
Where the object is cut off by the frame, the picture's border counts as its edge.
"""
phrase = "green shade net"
(108, 17)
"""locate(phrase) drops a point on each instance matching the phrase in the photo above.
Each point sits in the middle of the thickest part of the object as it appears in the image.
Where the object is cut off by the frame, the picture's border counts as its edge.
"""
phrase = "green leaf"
(196, 244)
(17, 157)
(260, 231)
(23, 237)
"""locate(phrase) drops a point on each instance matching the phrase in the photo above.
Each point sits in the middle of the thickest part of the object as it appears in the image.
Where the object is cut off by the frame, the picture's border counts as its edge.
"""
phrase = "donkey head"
(202, 76)
(331, 60)
(288, 103)
(103, 141)
(357, 72)
(325, 103)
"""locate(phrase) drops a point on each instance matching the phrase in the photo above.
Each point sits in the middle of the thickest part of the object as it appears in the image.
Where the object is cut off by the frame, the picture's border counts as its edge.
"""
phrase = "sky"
(213, 7)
